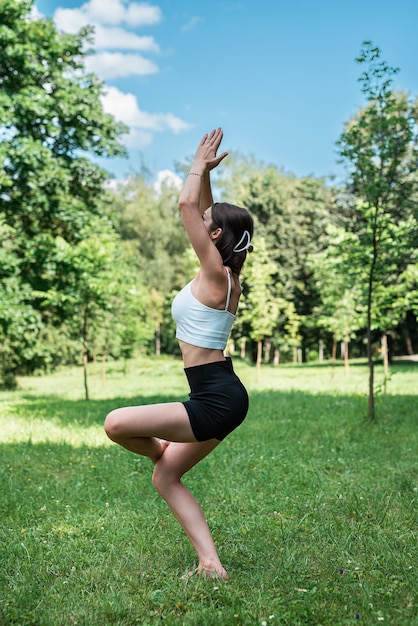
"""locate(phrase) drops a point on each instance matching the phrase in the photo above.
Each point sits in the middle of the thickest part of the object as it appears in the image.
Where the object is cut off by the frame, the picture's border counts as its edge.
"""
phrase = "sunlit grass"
(313, 508)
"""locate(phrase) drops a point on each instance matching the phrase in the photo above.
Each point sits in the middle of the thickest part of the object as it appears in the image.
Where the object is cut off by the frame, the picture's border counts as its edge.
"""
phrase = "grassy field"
(313, 508)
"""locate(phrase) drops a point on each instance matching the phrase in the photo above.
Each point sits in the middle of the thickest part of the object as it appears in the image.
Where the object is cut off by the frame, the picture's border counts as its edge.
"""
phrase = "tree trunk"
(346, 359)
(158, 340)
(267, 350)
(95, 362)
(259, 356)
(369, 320)
(321, 351)
(85, 351)
(385, 357)
(409, 348)
(334, 352)
(370, 362)
(333, 356)
(243, 345)
(104, 366)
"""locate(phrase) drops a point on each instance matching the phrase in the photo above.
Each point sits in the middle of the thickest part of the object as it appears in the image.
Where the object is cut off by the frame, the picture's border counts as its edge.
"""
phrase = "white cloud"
(174, 123)
(137, 138)
(70, 20)
(192, 23)
(118, 65)
(167, 178)
(141, 14)
(114, 37)
(104, 11)
(107, 12)
(35, 14)
(110, 37)
(124, 107)
(120, 52)
(113, 184)
(106, 17)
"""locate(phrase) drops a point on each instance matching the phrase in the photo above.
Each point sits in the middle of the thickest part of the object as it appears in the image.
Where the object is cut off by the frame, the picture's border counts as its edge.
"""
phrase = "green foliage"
(19, 321)
(291, 215)
(340, 285)
(380, 143)
(51, 195)
(410, 279)
(84, 269)
(150, 222)
(20, 325)
(260, 307)
(380, 146)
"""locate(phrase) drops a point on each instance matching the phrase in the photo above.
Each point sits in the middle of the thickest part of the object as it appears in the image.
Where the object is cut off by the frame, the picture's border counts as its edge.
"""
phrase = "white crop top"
(200, 325)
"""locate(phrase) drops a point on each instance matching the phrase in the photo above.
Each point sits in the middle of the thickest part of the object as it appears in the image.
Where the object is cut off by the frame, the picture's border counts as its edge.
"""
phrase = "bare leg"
(178, 458)
(144, 430)
(139, 428)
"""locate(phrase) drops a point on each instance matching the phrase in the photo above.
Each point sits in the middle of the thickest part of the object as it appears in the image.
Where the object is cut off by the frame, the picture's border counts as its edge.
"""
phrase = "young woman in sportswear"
(177, 435)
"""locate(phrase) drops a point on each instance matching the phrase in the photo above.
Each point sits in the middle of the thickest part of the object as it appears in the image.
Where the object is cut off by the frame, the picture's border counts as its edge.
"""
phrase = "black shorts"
(218, 400)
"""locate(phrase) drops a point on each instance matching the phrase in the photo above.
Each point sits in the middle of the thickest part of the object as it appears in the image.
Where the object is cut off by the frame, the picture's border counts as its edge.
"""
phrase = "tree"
(341, 311)
(20, 324)
(51, 117)
(91, 264)
(380, 149)
(291, 215)
(149, 222)
(109, 310)
(260, 307)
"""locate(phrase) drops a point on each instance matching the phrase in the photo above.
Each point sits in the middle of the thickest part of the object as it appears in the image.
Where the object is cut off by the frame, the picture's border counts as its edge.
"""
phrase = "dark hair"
(233, 220)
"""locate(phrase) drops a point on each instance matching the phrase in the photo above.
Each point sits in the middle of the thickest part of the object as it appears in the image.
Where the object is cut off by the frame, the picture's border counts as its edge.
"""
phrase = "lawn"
(313, 508)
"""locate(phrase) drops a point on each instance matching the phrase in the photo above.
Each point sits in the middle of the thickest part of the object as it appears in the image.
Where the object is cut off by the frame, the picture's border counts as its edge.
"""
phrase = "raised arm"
(206, 198)
(196, 197)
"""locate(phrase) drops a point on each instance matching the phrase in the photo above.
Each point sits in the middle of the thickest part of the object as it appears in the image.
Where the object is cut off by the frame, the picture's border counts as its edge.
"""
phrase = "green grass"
(313, 508)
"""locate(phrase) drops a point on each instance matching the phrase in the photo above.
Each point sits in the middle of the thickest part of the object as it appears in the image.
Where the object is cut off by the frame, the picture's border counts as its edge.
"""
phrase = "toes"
(205, 572)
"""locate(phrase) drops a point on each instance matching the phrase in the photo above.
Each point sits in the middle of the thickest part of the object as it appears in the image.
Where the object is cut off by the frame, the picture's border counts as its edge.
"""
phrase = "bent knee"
(113, 425)
(162, 479)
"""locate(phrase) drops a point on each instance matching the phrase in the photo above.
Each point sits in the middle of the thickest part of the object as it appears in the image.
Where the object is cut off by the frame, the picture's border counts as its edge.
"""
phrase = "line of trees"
(88, 273)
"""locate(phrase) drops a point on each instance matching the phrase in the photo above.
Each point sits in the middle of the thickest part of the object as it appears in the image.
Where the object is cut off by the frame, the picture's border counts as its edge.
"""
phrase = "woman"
(178, 435)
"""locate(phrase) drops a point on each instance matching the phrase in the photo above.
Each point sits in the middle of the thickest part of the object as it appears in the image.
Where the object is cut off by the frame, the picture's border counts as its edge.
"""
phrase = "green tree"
(20, 323)
(51, 117)
(410, 279)
(109, 309)
(291, 328)
(150, 224)
(341, 311)
(380, 149)
(260, 306)
(291, 215)
(91, 263)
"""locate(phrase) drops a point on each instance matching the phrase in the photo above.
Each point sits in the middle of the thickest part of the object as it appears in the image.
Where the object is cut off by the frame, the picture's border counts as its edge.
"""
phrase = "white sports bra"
(201, 325)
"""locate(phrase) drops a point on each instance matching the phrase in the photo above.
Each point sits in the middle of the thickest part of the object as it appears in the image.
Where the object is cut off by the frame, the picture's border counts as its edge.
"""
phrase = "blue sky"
(279, 76)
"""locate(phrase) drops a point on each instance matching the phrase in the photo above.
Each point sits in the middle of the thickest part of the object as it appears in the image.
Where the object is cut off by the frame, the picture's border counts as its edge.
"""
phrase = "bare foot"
(213, 573)
(205, 572)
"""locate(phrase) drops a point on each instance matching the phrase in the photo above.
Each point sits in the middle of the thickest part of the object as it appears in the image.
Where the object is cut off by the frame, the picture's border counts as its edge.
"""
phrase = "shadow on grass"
(271, 406)
(64, 411)
(403, 363)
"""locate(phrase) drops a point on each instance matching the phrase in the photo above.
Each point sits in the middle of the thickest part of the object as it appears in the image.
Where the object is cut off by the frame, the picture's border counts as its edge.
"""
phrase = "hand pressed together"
(206, 155)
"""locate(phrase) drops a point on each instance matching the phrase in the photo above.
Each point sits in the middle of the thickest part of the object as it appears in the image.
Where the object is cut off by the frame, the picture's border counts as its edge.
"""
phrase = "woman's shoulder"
(217, 276)
(213, 290)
